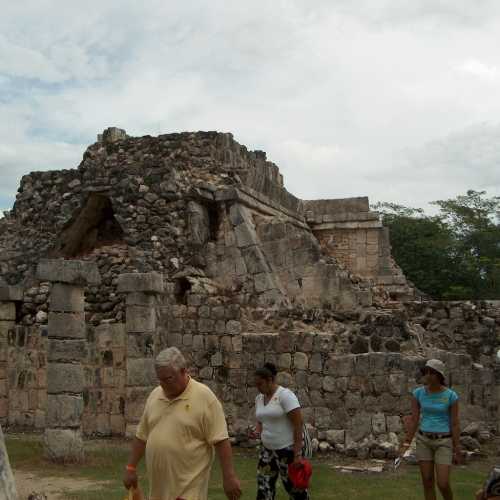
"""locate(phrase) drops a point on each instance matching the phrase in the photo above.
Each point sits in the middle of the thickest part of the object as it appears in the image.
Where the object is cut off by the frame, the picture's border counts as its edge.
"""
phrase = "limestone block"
(360, 426)
(394, 424)
(65, 377)
(233, 327)
(255, 260)
(63, 445)
(67, 298)
(316, 363)
(378, 424)
(67, 350)
(340, 366)
(134, 402)
(300, 361)
(206, 372)
(322, 418)
(113, 134)
(198, 223)
(67, 325)
(64, 410)
(245, 236)
(237, 343)
(329, 384)
(198, 342)
(141, 282)
(397, 384)
(236, 214)
(216, 360)
(284, 379)
(4, 406)
(285, 361)
(140, 319)
(141, 372)
(117, 425)
(263, 282)
(206, 325)
(7, 311)
(11, 293)
(73, 272)
(353, 401)
(335, 437)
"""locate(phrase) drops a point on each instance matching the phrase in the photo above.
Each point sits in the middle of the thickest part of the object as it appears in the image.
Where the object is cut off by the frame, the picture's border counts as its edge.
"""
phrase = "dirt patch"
(55, 488)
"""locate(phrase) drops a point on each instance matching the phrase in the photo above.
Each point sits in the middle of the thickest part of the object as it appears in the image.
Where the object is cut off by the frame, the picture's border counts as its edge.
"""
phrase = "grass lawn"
(106, 460)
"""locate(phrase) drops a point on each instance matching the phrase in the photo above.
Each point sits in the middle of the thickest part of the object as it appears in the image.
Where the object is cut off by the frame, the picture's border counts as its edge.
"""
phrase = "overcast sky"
(395, 99)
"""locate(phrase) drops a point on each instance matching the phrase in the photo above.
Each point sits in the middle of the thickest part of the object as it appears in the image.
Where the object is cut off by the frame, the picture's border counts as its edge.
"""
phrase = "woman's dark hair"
(268, 371)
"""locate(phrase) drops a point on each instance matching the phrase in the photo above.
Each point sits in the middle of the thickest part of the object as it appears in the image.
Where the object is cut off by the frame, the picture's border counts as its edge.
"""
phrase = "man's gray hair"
(171, 357)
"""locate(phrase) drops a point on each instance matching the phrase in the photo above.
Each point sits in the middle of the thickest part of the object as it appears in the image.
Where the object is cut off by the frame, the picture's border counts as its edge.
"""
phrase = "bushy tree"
(454, 254)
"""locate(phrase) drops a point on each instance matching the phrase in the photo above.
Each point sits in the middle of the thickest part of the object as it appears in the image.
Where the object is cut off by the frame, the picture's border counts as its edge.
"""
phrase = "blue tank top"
(435, 409)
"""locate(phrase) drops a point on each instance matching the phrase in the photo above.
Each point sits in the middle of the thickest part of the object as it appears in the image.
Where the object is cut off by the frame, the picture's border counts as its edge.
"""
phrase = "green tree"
(475, 220)
(454, 254)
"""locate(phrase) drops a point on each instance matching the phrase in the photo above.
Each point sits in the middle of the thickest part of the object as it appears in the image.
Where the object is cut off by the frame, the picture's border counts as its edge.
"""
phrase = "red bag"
(300, 474)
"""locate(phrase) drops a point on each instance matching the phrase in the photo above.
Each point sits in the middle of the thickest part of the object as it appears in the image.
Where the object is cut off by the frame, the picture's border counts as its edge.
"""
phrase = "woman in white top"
(279, 424)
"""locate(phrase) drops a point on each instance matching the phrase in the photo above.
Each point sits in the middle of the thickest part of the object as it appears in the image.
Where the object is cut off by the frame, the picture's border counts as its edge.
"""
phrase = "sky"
(398, 100)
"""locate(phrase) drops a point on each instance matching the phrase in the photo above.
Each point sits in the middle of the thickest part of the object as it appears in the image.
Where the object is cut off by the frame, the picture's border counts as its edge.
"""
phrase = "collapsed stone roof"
(197, 205)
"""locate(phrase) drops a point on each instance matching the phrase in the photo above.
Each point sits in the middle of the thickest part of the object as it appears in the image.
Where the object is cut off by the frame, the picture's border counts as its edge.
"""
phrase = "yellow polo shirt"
(180, 435)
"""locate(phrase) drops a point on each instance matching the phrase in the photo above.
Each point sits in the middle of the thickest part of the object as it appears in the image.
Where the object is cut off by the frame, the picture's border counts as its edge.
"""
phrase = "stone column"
(7, 484)
(142, 297)
(67, 351)
(9, 295)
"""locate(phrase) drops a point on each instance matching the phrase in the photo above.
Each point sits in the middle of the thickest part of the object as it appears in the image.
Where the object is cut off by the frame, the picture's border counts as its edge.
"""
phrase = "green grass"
(106, 460)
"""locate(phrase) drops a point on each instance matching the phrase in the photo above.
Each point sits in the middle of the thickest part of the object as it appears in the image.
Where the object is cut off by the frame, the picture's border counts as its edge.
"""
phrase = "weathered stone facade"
(198, 245)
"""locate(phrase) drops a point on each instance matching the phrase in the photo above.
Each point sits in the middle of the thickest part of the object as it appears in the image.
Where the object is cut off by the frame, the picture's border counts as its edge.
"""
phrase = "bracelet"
(131, 468)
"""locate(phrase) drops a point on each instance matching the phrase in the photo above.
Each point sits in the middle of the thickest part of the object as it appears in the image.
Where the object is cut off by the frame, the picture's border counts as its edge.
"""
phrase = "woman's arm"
(258, 428)
(295, 417)
(455, 430)
(412, 427)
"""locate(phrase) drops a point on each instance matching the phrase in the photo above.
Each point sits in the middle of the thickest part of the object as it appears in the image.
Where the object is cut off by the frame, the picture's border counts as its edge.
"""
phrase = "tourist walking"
(280, 427)
(436, 423)
(182, 424)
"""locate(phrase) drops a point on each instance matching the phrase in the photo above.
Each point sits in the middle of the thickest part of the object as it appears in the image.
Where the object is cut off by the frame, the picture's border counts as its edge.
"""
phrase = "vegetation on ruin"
(454, 254)
(106, 459)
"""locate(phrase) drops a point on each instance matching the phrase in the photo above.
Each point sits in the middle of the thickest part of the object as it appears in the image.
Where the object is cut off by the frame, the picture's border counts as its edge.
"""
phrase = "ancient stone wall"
(199, 245)
(347, 230)
(352, 387)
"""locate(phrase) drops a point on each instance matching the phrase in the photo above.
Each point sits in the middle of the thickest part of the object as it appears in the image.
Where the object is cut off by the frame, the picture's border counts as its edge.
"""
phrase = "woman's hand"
(254, 434)
(403, 448)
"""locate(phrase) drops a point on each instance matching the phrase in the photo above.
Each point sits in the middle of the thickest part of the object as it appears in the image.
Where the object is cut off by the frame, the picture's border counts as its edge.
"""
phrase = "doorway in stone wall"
(94, 226)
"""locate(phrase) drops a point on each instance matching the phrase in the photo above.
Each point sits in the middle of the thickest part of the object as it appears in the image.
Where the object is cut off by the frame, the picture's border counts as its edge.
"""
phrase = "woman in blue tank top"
(436, 423)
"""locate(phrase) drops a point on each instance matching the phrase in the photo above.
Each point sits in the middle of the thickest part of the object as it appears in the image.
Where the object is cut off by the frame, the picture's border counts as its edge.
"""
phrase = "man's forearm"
(225, 454)
(137, 452)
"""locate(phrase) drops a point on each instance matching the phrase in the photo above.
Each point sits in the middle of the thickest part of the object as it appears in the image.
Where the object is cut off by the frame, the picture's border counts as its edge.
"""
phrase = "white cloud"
(345, 96)
(480, 70)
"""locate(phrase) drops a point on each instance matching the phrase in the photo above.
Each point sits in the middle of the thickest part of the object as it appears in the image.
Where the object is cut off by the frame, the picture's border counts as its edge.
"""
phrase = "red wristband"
(131, 468)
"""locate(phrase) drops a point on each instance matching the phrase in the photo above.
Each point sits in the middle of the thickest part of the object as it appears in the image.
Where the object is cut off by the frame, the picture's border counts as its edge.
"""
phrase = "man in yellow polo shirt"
(182, 423)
